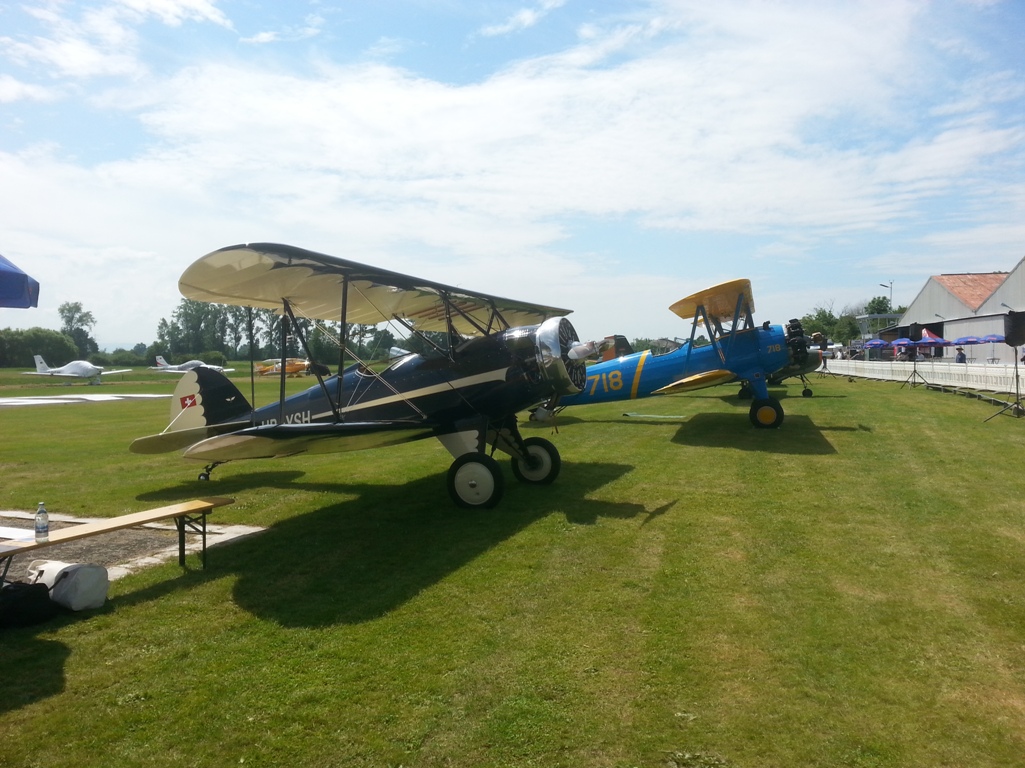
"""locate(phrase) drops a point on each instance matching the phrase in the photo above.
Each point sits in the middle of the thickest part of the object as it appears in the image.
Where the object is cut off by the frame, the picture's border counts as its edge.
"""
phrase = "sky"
(606, 157)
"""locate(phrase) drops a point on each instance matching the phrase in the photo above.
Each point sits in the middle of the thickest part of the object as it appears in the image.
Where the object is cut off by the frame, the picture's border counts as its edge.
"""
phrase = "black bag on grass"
(22, 605)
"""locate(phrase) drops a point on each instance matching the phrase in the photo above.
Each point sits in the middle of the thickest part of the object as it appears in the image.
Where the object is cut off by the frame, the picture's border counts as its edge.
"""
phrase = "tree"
(880, 305)
(195, 327)
(17, 347)
(76, 325)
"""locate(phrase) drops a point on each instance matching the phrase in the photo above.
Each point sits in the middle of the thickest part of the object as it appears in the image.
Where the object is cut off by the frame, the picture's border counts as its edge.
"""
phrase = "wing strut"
(343, 336)
(316, 368)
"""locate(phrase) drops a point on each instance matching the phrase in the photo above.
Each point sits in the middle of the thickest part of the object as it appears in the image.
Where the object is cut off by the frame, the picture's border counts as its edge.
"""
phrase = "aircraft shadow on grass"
(359, 559)
(799, 436)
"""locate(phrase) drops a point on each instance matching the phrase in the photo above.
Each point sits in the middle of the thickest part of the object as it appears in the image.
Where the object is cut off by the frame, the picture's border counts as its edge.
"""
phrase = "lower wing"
(278, 440)
(698, 381)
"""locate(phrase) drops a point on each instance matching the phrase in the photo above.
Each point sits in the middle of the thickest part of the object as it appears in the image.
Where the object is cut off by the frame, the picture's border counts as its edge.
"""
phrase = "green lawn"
(848, 590)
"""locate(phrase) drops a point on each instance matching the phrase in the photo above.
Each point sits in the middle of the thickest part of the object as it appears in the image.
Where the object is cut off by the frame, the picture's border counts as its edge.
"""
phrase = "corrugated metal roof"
(972, 289)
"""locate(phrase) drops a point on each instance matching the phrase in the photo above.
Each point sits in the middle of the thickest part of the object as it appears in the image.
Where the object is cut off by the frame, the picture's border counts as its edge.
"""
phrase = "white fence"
(986, 378)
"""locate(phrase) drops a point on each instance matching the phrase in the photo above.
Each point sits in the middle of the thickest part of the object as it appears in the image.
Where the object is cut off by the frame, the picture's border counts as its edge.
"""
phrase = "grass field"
(848, 590)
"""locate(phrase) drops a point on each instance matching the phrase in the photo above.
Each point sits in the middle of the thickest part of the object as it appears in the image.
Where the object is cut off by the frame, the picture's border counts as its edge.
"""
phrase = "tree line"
(842, 328)
(216, 333)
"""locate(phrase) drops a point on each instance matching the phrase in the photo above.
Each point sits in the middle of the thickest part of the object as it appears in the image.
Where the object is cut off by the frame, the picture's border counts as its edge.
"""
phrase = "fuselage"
(750, 354)
(490, 376)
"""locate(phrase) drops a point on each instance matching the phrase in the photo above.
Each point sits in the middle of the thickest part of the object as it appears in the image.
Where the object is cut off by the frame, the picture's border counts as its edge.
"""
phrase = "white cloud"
(524, 18)
(791, 127)
(176, 12)
(12, 90)
(311, 27)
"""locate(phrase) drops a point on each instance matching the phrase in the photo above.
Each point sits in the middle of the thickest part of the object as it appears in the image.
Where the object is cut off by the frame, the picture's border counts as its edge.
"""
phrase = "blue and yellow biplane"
(739, 350)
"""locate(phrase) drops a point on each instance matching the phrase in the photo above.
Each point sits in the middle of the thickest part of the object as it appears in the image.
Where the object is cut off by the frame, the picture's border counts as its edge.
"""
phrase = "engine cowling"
(555, 339)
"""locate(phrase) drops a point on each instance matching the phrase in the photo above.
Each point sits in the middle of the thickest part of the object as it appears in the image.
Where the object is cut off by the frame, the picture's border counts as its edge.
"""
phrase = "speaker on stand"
(1014, 336)
(915, 334)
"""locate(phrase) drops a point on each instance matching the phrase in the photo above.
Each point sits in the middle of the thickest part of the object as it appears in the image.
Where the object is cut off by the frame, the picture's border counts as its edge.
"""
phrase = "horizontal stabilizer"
(698, 381)
(278, 440)
(182, 438)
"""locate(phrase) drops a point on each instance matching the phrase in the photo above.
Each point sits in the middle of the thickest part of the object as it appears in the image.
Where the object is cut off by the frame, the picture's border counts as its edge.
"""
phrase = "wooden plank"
(197, 506)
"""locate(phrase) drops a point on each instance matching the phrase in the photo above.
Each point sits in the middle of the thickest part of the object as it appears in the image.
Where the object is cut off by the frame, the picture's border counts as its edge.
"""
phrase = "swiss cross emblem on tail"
(188, 401)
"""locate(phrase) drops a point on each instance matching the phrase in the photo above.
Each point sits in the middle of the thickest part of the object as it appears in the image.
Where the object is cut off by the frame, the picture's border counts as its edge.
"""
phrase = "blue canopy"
(16, 288)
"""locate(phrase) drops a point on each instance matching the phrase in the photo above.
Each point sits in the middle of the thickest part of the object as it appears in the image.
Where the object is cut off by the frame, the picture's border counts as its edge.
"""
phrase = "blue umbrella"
(903, 342)
(993, 338)
(964, 340)
(876, 344)
(16, 288)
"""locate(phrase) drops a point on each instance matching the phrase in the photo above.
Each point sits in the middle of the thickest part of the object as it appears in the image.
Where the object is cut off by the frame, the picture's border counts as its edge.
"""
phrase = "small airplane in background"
(293, 366)
(739, 351)
(76, 369)
(486, 359)
(165, 367)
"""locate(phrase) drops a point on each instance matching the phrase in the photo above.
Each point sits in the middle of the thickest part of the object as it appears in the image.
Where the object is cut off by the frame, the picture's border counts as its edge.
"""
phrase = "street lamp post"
(883, 285)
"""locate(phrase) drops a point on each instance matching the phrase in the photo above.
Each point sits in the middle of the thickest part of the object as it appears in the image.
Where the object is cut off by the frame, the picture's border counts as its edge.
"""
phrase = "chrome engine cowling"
(555, 337)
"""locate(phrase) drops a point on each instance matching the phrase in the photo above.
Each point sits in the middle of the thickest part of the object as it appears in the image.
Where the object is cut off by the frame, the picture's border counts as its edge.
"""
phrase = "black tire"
(766, 413)
(475, 481)
(543, 463)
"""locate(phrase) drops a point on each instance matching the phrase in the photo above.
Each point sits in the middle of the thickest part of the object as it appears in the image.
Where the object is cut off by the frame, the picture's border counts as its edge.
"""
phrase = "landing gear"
(205, 474)
(766, 413)
(475, 481)
(806, 392)
(745, 392)
(542, 463)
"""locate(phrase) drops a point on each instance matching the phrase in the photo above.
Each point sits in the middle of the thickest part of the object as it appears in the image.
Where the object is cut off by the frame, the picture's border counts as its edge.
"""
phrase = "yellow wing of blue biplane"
(719, 300)
(697, 381)
(264, 274)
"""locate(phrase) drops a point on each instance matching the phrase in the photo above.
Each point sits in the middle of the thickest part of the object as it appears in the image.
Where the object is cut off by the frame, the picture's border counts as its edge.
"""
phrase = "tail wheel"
(542, 463)
(766, 413)
(475, 481)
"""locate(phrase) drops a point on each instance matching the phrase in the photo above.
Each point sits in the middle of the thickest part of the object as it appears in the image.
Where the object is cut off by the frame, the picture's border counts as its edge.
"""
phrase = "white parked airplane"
(165, 367)
(76, 369)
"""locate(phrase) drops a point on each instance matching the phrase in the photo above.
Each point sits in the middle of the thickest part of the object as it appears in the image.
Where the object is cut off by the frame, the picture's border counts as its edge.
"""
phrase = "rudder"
(204, 397)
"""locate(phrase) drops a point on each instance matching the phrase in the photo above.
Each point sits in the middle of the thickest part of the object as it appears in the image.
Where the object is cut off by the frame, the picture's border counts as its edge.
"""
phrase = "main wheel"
(542, 464)
(475, 481)
(766, 413)
(806, 392)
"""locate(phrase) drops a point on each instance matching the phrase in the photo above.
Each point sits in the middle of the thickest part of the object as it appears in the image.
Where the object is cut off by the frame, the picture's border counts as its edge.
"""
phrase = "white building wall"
(1011, 292)
(934, 299)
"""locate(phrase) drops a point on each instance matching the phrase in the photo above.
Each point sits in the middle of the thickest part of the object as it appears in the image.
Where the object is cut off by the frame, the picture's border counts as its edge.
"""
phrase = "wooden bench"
(187, 515)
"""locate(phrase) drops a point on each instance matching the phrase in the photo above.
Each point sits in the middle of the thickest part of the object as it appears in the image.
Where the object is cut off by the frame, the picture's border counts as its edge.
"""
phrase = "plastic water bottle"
(42, 524)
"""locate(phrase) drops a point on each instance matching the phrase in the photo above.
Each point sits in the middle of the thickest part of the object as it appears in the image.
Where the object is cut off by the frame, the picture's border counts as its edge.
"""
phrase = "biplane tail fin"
(205, 403)
(205, 397)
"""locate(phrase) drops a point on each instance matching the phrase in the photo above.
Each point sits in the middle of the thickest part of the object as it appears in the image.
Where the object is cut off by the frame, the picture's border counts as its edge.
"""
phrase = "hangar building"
(969, 304)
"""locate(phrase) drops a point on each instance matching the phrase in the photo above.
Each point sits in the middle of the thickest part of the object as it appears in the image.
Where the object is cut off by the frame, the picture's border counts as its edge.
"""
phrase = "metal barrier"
(985, 378)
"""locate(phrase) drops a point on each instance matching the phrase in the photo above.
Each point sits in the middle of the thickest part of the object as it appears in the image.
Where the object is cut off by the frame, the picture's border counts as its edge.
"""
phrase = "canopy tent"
(16, 288)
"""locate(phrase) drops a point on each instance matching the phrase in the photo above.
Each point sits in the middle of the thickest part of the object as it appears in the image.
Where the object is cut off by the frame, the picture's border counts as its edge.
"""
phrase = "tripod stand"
(915, 378)
(1016, 408)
